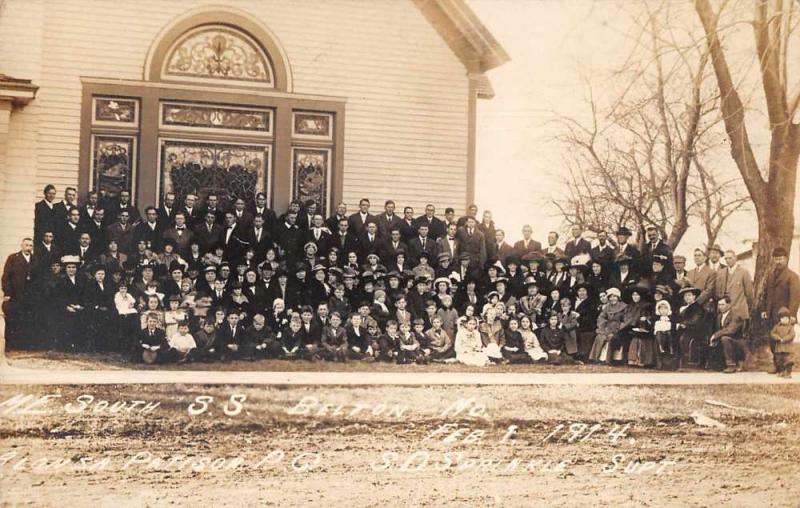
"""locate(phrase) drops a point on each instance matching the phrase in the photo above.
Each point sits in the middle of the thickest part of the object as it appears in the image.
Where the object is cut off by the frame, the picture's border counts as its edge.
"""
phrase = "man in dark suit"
(45, 253)
(46, 216)
(369, 241)
(208, 234)
(390, 246)
(319, 235)
(87, 210)
(344, 239)
(603, 252)
(655, 245)
(191, 211)
(623, 248)
(499, 248)
(728, 335)
(166, 212)
(86, 251)
(472, 242)
(180, 234)
(96, 228)
(259, 238)
(289, 238)
(333, 221)
(16, 299)
(70, 231)
(527, 245)
(436, 227)
(388, 220)
(422, 243)
(243, 218)
(472, 211)
(260, 208)
(552, 248)
(577, 245)
(123, 204)
(149, 230)
(358, 221)
(305, 219)
(408, 225)
(212, 205)
(70, 201)
(122, 232)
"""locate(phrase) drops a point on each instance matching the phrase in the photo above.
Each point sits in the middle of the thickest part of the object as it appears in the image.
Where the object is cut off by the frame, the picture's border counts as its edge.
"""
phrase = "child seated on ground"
(439, 343)
(182, 344)
(468, 344)
(408, 347)
(358, 341)
(292, 338)
(205, 340)
(259, 341)
(780, 338)
(387, 349)
(334, 340)
(553, 340)
(514, 347)
(531, 342)
(152, 340)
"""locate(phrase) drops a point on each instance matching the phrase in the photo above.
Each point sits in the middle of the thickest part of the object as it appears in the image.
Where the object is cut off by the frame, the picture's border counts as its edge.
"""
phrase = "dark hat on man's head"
(624, 231)
(512, 260)
(779, 252)
(660, 258)
(717, 248)
(664, 290)
(530, 281)
(784, 312)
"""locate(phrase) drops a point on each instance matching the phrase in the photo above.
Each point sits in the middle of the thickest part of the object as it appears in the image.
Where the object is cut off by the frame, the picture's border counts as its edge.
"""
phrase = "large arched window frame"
(130, 128)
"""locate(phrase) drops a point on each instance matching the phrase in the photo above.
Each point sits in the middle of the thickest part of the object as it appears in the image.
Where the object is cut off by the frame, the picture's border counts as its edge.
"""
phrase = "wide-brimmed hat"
(627, 293)
(613, 291)
(70, 260)
(690, 289)
(624, 231)
(623, 260)
(717, 248)
(440, 280)
(530, 281)
(660, 258)
(663, 289)
(532, 256)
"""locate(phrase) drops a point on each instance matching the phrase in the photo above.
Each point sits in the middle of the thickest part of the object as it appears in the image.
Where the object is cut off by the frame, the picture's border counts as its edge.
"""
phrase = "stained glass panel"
(231, 171)
(113, 160)
(313, 125)
(310, 174)
(227, 118)
(218, 53)
(115, 111)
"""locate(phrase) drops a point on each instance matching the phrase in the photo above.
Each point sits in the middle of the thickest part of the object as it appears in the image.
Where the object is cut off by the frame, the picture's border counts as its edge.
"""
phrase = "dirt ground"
(277, 446)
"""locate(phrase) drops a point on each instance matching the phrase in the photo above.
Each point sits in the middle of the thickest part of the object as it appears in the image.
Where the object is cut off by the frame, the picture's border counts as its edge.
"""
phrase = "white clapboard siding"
(406, 114)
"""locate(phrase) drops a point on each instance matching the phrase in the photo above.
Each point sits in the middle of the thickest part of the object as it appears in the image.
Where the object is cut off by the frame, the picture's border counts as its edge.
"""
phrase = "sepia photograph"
(400, 253)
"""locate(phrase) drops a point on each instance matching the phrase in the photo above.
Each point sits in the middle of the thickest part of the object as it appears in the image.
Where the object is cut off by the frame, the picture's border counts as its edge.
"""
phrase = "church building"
(328, 100)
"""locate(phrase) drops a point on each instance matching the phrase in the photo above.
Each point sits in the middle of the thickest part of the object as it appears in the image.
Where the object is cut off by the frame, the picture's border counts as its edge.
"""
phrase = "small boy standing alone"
(781, 338)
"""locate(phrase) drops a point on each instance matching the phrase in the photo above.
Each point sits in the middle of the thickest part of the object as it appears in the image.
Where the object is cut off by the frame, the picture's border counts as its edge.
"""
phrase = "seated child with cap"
(408, 347)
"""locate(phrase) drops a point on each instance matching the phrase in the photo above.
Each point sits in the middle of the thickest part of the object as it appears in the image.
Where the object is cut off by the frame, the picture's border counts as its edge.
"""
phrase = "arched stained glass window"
(218, 53)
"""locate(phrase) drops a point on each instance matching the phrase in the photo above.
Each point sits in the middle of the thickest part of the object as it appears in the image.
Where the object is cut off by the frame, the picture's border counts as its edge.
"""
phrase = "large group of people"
(193, 281)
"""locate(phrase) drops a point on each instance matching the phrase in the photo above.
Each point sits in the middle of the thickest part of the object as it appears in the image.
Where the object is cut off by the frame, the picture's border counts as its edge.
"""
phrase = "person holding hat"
(782, 289)
(780, 341)
(692, 328)
(152, 341)
(609, 323)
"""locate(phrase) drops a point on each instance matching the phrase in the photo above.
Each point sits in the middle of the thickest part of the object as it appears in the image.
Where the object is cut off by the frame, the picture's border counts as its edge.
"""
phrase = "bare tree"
(638, 161)
(772, 188)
